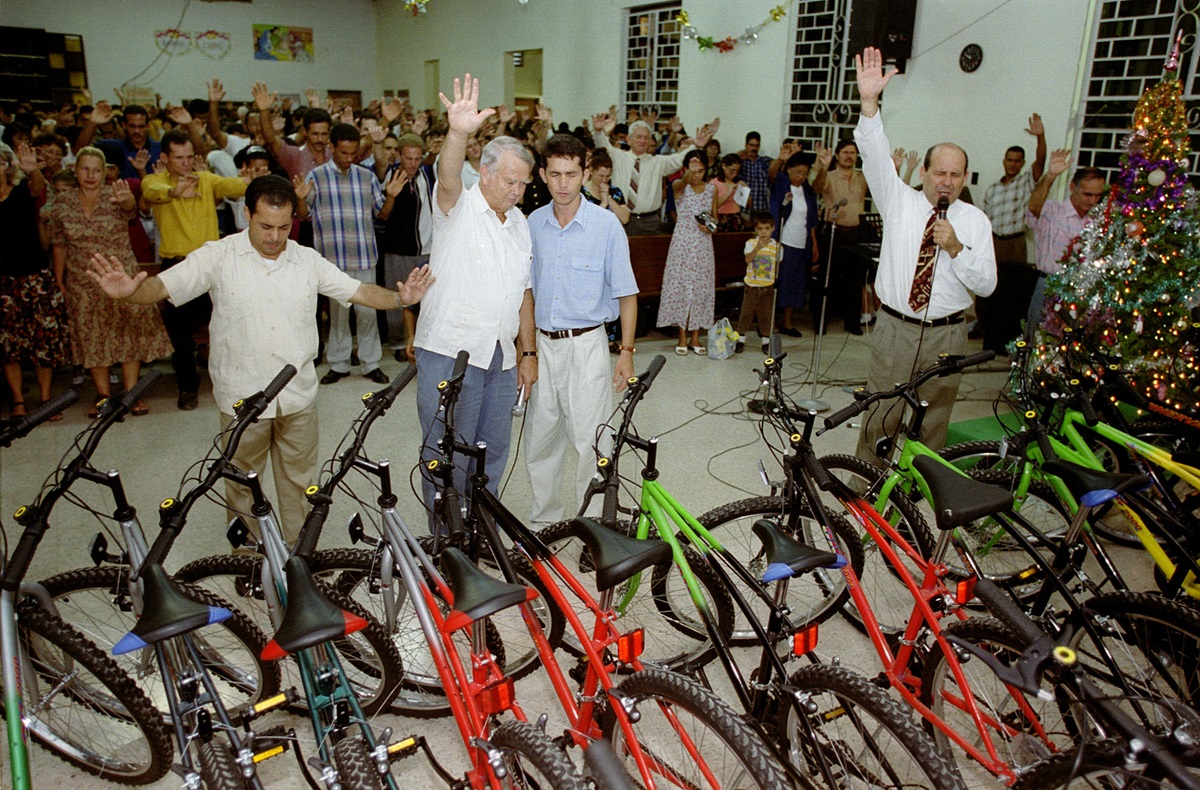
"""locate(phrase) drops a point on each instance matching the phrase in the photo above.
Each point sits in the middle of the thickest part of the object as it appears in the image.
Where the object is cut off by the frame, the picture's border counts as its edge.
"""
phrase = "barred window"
(652, 58)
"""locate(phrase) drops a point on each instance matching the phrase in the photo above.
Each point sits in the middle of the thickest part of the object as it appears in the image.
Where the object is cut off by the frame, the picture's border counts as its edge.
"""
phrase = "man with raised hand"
(936, 254)
(483, 301)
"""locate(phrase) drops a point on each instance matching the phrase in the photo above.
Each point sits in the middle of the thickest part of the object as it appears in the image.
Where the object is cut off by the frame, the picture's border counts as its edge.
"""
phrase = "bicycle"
(317, 630)
(824, 723)
(59, 687)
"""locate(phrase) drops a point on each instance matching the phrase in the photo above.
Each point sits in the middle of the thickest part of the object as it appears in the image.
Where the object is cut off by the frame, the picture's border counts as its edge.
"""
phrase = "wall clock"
(970, 58)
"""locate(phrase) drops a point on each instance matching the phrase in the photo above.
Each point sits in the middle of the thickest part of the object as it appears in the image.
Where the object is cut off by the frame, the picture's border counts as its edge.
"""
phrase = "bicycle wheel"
(813, 597)
(890, 600)
(356, 769)
(674, 632)
(532, 760)
(369, 658)
(866, 738)
(1154, 641)
(96, 601)
(355, 574)
(80, 706)
(690, 736)
(218, 769)
(1096, 764)
(1006, 455)
(1024, 730)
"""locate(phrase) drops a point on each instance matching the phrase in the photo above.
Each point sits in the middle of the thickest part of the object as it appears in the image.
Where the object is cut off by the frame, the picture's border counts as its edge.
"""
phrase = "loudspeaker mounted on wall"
(886, 24)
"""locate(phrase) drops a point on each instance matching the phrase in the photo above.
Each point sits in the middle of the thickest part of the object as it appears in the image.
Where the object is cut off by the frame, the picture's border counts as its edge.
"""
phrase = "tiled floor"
(709, 454)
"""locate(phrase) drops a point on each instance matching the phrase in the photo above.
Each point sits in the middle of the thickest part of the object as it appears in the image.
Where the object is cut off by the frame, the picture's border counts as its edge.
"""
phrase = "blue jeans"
(483, 414)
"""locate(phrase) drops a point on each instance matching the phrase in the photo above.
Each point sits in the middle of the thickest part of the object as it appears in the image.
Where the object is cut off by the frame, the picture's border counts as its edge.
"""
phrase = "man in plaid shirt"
(1005, 201)
(342, 198)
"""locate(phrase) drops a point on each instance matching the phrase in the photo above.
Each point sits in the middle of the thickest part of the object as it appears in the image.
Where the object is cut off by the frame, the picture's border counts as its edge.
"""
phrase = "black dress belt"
(1009, 236)
(565, 333)
(950, 320)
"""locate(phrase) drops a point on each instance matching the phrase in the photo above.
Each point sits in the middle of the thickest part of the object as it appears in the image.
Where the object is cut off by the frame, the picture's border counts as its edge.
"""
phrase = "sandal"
(139, 409)
(94, 412)
(700, 350)
(681, 350)
(18, 410)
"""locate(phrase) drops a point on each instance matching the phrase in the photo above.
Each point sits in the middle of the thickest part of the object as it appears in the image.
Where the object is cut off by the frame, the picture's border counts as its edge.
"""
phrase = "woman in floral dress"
(688, 289)
(33, 315)
(90, 218)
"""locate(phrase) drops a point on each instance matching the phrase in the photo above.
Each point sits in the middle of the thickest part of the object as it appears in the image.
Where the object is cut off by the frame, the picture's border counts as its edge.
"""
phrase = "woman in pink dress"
(688, 288)
(729, 213)
(93, 217)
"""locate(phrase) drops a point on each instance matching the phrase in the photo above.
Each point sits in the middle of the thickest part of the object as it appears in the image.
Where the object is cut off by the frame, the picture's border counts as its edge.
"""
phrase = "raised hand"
(376, 132)
(504, 114)
(1060, 160)
(302, 187)
(109, 273)
(824, 155)
(160, 165)
(121, 196)
(897, 158)
(187, 186)
(421, 122)
(396, 182)
(601, 121)
(285, 104)
(1035, 126)
(716, 124)
(676, 124)
(264, 100)
(179, 115)
(347, 115)
(312, 97)
(26, 157)
(544, 113)
(102, 113)
(872, 79)
(418, 282)
(463, 113)
(913, 157)
(216, 91)
(390, 111)
(140, 160)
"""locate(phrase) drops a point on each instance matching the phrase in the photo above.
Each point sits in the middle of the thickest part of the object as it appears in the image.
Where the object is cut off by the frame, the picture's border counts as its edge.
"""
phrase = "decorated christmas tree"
(1131, 281)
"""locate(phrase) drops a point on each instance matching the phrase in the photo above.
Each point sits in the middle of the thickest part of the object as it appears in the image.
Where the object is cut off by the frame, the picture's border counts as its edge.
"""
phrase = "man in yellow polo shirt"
(184, 203)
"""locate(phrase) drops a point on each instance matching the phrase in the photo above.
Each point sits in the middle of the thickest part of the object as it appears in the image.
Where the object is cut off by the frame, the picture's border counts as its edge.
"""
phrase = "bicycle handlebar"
(948, 366)
(21, 426)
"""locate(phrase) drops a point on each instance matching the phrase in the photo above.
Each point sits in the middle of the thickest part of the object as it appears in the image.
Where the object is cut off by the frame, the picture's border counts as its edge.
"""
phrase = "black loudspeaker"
(886, 24)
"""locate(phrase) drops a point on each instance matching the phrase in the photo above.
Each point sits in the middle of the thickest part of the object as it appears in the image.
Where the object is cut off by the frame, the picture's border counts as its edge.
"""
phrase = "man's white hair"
(504, 145)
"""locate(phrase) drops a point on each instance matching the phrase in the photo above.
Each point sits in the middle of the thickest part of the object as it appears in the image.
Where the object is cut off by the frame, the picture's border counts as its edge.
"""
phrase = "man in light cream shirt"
(264, 290)
(482, 303)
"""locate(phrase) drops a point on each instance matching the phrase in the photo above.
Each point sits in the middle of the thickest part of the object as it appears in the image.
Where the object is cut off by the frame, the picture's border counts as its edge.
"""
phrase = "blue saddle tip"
(128, 644)
(839, 563)
(776, 571)
(1098, 497)
(218, 614)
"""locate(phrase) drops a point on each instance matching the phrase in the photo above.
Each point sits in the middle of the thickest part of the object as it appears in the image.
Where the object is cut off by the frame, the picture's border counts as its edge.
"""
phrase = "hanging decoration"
(415, 7)
(213, 43)
(729, 43)
(173, 42)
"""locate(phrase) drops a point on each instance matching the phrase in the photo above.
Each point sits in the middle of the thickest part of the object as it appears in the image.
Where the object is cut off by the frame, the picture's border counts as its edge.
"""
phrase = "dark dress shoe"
(332, 377)
(187, 401)
(854, 328)
(790, 332)
(378, 376)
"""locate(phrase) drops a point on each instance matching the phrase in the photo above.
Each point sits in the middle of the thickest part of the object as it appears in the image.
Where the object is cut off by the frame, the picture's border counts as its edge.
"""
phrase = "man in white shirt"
(263, 288)
(936, 254)
(483, 302)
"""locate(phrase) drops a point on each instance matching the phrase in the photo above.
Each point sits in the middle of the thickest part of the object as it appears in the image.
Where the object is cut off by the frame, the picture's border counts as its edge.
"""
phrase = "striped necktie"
(922, 284)
(632, 197)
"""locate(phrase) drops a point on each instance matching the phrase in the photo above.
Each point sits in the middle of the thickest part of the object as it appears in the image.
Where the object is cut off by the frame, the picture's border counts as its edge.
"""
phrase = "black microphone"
(942, 204)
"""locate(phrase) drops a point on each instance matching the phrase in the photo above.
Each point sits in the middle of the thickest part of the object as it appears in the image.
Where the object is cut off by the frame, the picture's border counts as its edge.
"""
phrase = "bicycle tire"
(890, 600)
(532, 759)
(354, 573)
(812, 598)
(675, 636)
(95, 717)
(1102, 763)
(867, 738)
(94, 601)
(368, 657)
(356, 770)
(731, 750)
(218, 769)
(940, 691)
(1005, 456)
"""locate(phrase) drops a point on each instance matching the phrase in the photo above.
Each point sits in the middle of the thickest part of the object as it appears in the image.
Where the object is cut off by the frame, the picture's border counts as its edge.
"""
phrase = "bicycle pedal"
(252, 712)
(405, 748)
(246, 587)
(272, 742)
(578, 672)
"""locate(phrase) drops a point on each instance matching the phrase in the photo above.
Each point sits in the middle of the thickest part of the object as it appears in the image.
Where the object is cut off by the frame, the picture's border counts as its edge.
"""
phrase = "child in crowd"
(758, 298)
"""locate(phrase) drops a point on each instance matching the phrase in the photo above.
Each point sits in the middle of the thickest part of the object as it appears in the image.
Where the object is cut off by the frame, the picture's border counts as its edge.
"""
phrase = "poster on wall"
(281, 42)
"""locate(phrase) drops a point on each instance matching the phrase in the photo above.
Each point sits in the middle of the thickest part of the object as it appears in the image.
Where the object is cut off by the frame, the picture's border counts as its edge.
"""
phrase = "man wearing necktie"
(936, 255)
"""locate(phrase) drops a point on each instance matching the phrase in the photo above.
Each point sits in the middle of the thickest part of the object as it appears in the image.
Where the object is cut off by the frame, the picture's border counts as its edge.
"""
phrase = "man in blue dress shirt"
(582, 277)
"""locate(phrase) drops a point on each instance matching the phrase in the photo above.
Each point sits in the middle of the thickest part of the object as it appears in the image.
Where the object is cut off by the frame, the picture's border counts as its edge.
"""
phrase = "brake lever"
(1023, 676)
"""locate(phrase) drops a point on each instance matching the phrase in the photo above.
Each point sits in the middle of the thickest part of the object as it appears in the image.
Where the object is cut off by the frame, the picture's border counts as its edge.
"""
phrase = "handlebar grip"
(134, 393)
(161, 547)
(310, 533)
(18, 562)
(272, 390)
(776, 345)
(656, 365)
(460, 366)
(403, 380)
(816, 470)
(1005, 609)
(971, 361)
(24, 425)
(839, 417)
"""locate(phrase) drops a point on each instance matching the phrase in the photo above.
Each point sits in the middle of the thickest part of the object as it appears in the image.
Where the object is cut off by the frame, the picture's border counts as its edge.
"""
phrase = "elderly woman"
(94, 218)
(33, 316)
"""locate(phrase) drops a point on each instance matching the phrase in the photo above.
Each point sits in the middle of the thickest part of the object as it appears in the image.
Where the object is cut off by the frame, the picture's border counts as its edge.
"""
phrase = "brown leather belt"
(950, 320)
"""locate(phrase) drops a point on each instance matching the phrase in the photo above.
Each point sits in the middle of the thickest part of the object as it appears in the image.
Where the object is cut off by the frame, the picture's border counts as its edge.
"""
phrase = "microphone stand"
(813, 403)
